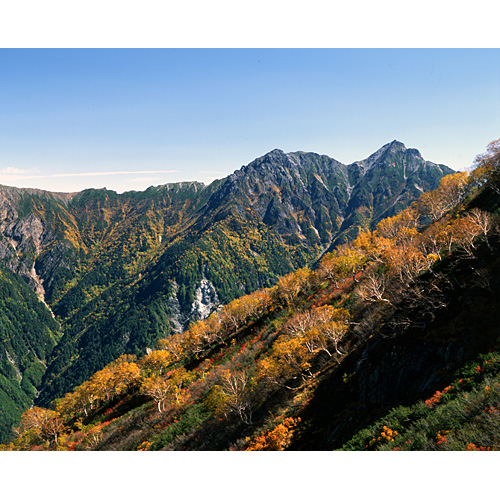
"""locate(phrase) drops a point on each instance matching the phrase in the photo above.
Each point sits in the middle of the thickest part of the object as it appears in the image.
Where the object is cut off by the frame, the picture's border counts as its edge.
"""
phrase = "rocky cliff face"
(308, 200)
(384, 183)
(323, 202)
(27, 231)
(298, 195)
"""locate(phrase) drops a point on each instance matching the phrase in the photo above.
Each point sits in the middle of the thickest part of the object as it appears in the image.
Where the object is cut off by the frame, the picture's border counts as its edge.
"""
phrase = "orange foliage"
(401, 228)
(473, 447)
(46, 424)
(276, 439)
(156, 361)
(441, 437)
(450, 192)
(436, 398)
(387, 434)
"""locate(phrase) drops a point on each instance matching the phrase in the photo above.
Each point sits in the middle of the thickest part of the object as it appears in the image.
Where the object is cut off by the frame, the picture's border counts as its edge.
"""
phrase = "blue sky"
(127, 119)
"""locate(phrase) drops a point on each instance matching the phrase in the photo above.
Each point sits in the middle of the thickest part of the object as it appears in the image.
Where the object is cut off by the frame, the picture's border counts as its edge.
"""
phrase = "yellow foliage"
(345, 261)
(401, 228)
(451, 191)
(291, 285)
(157, 361)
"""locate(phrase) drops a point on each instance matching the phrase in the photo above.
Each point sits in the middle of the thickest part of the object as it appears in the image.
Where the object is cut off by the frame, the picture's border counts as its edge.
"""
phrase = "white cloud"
(92, 174)
(11, 173)
(18, 172)
(118, 180)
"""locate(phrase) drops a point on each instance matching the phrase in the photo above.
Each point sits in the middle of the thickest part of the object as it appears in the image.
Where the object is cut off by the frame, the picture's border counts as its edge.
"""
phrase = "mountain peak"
(390, 147)
(393, 146)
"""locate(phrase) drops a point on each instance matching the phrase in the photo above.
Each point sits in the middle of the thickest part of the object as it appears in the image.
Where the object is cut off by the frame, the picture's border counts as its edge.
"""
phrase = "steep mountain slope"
(417, 348)
(385, 183)
(316, 199)
(28, 333)
(36, 226)
(121, 271)
(390, 343)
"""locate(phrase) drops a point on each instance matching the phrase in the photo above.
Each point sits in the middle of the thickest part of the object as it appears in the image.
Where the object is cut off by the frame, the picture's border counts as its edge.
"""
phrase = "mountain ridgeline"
(121, 271)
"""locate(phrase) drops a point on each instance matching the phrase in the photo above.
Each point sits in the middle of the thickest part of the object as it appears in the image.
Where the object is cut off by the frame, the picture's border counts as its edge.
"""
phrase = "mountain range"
(114, 273)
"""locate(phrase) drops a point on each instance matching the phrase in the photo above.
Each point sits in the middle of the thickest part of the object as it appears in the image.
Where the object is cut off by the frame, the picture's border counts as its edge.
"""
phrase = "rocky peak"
(396, 145)
(381, 154)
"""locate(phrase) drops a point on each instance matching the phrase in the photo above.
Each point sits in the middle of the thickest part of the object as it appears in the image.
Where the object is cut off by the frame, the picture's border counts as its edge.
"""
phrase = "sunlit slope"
(389, 337)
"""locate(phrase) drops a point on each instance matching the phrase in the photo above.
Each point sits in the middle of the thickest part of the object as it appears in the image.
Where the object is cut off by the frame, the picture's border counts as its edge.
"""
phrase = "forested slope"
(28, 333)
(380, 346)
(121, 271)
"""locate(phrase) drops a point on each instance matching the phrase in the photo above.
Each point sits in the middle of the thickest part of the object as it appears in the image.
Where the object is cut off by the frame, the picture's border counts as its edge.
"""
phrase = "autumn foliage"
(277, 341)
(276, 439)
